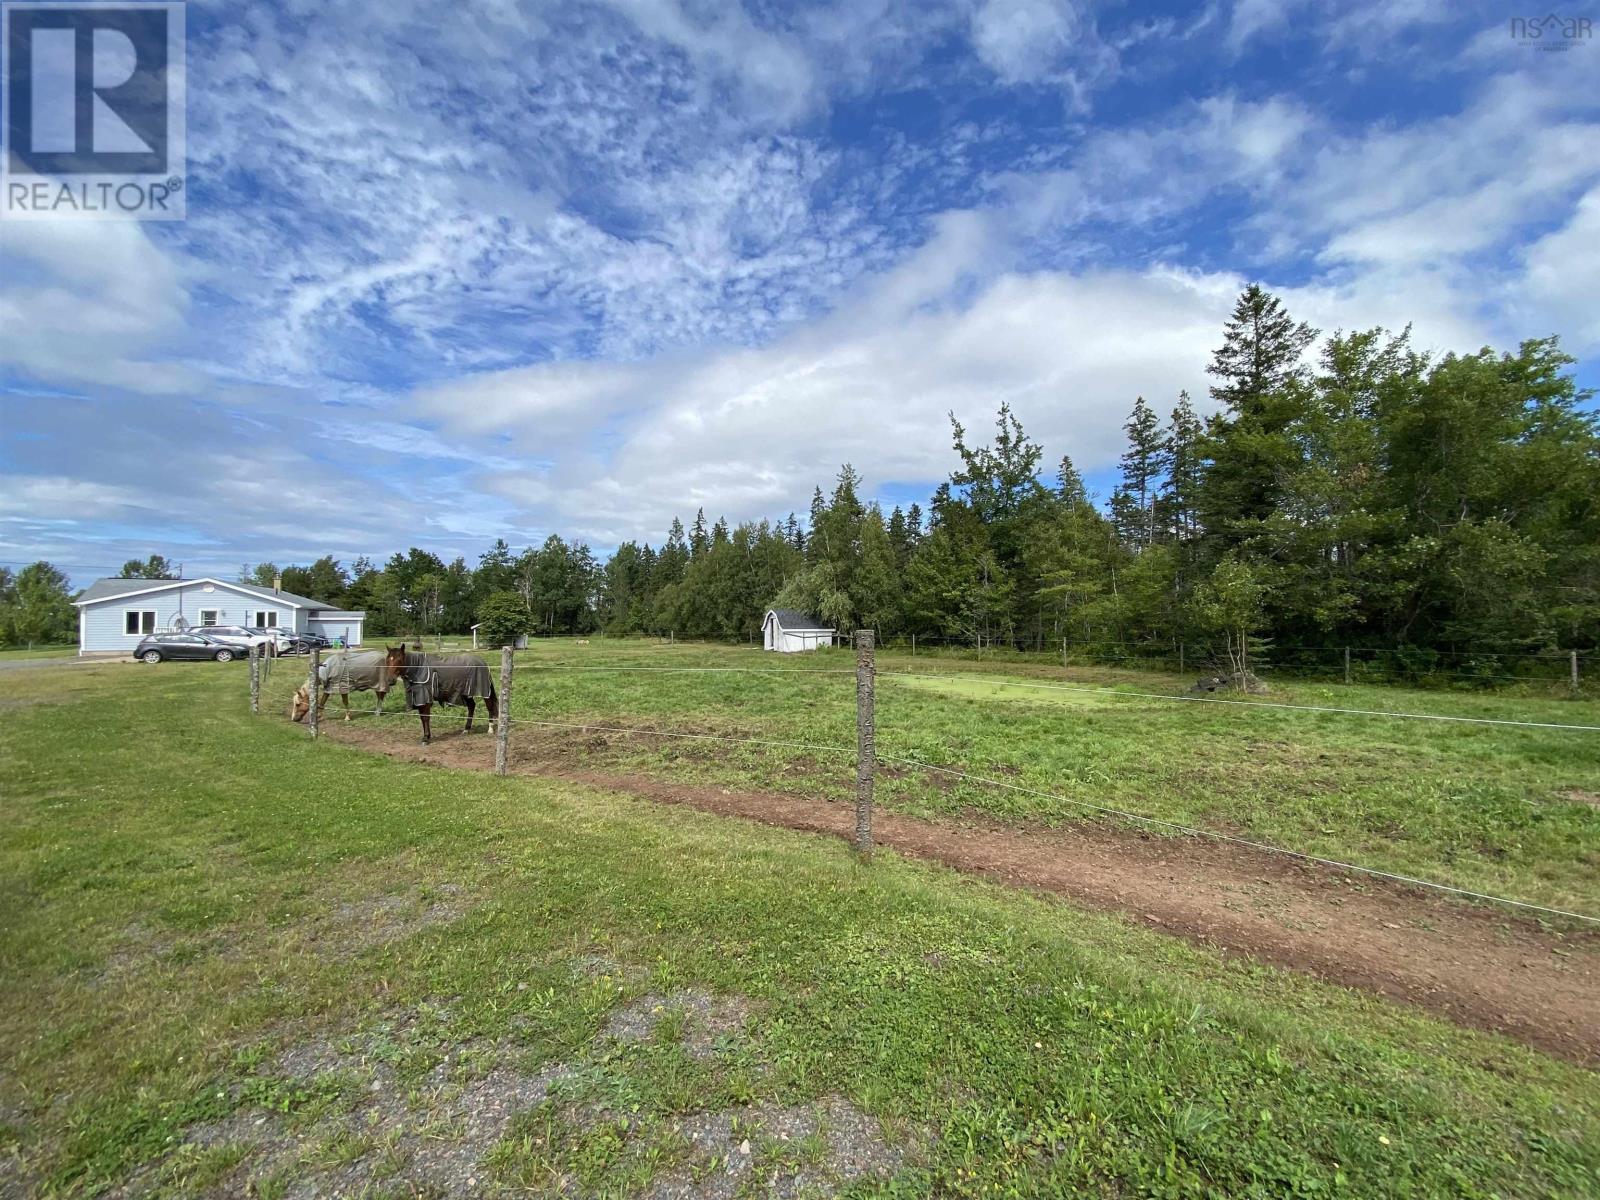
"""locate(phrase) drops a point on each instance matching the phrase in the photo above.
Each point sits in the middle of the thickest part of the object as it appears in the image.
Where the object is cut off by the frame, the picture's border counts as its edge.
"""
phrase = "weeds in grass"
(953, 1037)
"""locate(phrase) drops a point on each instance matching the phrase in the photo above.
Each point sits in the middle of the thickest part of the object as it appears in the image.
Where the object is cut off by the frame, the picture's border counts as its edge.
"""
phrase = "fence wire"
(1114, 691)
(589, 727)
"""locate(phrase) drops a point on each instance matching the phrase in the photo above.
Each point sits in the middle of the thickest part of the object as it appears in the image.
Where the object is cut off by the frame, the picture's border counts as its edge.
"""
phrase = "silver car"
(237, 636)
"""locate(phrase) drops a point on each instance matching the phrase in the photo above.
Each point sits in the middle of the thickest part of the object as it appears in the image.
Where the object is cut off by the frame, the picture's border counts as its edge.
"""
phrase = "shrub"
(502, 618)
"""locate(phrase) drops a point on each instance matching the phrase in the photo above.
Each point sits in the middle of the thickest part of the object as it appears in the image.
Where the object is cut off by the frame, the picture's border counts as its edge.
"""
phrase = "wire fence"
(314, 692)
(1568, 669)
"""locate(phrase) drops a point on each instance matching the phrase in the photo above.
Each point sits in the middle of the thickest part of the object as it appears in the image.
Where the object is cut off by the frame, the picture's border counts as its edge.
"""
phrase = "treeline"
(1373, 497)
(1347, 491)
(418, 593)
(36, 607)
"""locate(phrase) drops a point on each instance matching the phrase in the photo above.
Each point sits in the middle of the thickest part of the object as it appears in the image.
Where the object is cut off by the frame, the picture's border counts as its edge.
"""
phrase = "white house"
(787, 631)
(113, 614)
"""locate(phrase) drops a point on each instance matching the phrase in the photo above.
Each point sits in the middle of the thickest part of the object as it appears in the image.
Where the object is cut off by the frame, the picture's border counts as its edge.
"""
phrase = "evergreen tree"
(1141, 475)
(1262, 387)
(1069, 484)
(1182, 463)
(899, 537)
(698, 542)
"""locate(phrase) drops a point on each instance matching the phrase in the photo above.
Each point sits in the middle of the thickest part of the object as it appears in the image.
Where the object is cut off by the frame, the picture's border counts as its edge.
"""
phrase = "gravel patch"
(710, 1021)
(383, 1132)
(765, 1150)
(358, 925)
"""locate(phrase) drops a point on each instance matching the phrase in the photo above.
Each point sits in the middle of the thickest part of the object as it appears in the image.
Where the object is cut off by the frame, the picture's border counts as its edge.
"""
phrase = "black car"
(168, 647)
(304, 643)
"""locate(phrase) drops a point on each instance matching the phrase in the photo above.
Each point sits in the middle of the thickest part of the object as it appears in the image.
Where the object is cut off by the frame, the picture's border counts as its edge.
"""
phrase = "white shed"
(520, 644)
(788, 631)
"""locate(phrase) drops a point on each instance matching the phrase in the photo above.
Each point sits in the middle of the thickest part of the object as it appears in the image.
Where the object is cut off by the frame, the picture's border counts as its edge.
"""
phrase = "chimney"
(277, 584)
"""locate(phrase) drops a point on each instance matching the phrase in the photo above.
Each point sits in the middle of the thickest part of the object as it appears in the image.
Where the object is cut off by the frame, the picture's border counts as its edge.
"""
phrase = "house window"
(139, 621)
(266, 619)
(210, 616)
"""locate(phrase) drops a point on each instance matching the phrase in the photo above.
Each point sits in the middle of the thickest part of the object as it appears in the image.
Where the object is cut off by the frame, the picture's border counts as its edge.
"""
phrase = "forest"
(1348, 490)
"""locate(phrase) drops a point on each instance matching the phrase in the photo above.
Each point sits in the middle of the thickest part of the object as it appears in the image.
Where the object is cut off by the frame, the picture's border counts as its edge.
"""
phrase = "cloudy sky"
(453, 272)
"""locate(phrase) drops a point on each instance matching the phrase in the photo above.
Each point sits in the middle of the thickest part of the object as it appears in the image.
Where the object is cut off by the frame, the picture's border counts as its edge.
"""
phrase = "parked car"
(280, 639)
(240, 637)
(165, 647)
(304, 643)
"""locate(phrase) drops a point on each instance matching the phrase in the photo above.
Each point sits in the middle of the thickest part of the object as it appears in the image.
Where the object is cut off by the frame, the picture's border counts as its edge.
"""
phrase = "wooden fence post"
(1347, 664)
(866, 739)
(312, 684)
(1180, 658)
(255, 678)
(1574, 670)
(502, 727)
(913, 645)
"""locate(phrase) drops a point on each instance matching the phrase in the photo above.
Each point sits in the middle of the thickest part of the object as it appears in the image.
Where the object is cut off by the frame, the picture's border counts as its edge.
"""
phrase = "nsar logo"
(1551, 32)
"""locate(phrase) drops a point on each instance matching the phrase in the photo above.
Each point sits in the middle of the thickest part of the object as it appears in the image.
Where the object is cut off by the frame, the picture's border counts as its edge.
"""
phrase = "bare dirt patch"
(369, 1125)
(1479, 967)
(708, 1021)
(347, 1113)
(765, 1150)
(1579, 796)
(378, 920)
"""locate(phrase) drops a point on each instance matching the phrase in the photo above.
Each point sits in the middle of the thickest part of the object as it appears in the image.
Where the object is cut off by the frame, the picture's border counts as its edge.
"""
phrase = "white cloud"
(748, 432)
(85, 302)
(1561, 280)
(577, 268)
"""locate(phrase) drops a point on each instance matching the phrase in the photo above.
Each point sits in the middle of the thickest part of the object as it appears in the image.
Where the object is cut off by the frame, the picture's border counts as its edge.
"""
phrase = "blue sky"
(511, 269)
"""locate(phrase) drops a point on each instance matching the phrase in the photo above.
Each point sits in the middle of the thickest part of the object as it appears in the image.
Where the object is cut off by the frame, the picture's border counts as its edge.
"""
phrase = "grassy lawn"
(232, 957)
(1510, 811)
(40, 652)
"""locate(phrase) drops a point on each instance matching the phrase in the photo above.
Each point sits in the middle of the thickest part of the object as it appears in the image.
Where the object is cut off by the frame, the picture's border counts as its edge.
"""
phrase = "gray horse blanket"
(343, 673)
(445, 679)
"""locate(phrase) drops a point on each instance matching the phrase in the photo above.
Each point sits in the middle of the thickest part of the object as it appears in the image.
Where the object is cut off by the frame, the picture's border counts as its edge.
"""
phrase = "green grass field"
(1505, 810)
(39, 652)
(234, 960)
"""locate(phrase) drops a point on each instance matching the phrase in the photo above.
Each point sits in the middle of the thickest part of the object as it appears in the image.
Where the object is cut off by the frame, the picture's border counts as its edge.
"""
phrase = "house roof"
(110, 589)
(793, 618)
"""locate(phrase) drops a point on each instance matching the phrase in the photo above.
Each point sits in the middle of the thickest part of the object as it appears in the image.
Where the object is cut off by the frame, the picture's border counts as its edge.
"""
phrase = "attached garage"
(113, 614)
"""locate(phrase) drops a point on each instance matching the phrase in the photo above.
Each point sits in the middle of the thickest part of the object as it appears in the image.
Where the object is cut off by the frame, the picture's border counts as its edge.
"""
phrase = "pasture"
(237, 961)
(1501, 809)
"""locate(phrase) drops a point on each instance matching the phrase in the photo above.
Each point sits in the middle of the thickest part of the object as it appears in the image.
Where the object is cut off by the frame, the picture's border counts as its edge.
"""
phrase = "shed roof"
(793, 618)
(107, 589)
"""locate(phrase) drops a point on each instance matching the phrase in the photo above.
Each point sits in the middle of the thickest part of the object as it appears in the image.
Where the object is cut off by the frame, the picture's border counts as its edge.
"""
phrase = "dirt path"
(1477, 966)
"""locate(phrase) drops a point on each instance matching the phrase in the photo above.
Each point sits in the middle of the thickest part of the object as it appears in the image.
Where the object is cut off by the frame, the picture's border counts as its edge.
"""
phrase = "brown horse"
(449, 679)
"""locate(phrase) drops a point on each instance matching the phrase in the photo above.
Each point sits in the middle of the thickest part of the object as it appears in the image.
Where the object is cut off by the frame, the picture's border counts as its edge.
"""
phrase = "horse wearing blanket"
(451, 679)
(344, 673)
